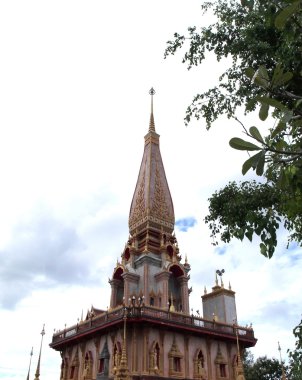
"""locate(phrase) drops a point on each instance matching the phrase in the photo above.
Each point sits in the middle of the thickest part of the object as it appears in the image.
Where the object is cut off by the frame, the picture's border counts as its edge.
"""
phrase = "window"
(151, 301)
(156, 356)
(101, 365)
(176, 364)
(72, 369)
(222, 368)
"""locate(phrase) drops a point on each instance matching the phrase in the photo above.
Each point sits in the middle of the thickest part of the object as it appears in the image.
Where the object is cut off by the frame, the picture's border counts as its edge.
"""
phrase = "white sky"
(74, 107)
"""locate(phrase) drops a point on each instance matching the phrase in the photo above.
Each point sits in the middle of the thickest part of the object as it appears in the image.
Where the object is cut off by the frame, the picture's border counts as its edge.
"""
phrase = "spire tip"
(151, 124)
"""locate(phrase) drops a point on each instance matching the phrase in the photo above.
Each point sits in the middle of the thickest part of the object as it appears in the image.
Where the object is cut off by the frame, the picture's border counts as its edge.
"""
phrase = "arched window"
(117, 353)
(154, 358)
(199, 365)
(119, 286)
(88, 364)
(74, 367)
(103, 362)
(175, 361)
(174, 291)
(221, 364)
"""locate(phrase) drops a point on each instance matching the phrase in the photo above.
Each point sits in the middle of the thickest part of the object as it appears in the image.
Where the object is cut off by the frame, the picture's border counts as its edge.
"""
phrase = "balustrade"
(142, 311)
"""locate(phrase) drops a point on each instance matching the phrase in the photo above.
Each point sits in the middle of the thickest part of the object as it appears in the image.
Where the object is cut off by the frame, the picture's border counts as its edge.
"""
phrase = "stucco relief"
(139, 208)
(160, 207)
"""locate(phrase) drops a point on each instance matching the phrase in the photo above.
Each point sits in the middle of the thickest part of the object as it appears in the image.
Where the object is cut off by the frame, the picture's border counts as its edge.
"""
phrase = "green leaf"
(263, 249)
(286, 77)
(249, 72)
(249, 235)
(256, 134)
(251, 104)
(280, 127)
(251, 162)
(280, 78)
(261, 77)
(240, 144)
(263, 113)
(285, 14)
(260, 164)
(298, 102)
(272, 102)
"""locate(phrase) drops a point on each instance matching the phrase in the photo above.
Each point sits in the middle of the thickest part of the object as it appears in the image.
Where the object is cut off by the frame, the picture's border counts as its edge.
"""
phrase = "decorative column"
(114, 286)
(130, 284)
(145, 352)
(146, 283)
(134, 350)
(183, 282)
(187, 357)
(209, 359)
(162, 279)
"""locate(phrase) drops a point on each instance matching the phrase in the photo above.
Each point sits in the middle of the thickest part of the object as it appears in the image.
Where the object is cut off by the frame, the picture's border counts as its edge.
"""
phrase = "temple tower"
(151, 266)
(148, 331)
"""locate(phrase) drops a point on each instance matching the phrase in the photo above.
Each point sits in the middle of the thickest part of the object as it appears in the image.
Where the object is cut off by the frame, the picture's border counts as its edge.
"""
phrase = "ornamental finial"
(37, 375)
(151, 124)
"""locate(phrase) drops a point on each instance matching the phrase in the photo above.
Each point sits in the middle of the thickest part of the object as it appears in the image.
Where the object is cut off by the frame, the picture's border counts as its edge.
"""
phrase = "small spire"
(239, 370)
(281, 362)
(152, 124)
(230, 288)
(81, 317)
(31, 354)
(37, 375)
(216, 279)
(205, 290)
(122, 371)
(186, 259)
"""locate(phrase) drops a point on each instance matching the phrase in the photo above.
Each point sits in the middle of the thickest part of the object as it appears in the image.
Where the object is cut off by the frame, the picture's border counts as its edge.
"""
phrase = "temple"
(148, 331)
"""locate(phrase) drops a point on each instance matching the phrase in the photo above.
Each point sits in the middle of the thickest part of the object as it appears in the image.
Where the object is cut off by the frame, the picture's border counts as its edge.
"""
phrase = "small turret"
(221, 303)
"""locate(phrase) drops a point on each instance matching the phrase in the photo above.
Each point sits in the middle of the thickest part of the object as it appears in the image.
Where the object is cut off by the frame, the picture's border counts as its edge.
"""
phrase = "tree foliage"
(263, 368)
(295, 356)
(263, 38)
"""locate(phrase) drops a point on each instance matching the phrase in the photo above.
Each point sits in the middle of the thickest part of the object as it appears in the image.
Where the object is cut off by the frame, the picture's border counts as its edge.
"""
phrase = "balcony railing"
(149, 312)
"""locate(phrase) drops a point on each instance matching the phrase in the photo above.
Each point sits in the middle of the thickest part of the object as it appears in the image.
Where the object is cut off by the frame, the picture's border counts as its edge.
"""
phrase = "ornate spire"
(31, 354)
(122, 371)
(151, 124)
(37, 375)
(240, 371)
(152, 203)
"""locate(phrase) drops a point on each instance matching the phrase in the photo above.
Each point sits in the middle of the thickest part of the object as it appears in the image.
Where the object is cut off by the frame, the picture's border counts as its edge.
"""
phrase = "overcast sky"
(74, 82)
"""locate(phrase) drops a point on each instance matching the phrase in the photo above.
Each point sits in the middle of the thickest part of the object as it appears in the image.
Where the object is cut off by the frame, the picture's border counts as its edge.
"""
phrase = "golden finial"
(31, 354)
(283, 377)
(37, 375)
(151, 124)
